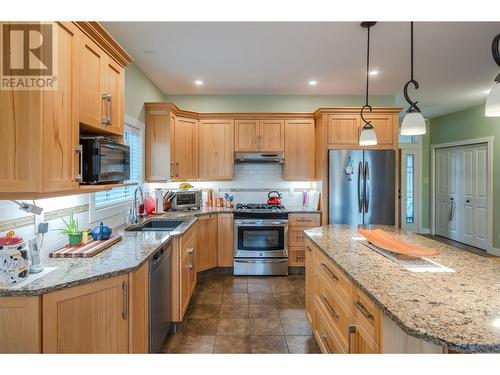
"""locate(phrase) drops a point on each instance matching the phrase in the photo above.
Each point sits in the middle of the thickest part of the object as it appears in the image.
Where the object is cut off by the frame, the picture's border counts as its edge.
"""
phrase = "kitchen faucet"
(135, 210)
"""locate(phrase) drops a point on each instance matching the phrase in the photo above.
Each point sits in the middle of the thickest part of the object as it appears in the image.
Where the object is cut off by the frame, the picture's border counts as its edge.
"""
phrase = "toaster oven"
(187, 199)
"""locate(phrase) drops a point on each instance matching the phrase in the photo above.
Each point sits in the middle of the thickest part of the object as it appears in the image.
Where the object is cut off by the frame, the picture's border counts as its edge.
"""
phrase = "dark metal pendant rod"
(368, 107)
(413, 105)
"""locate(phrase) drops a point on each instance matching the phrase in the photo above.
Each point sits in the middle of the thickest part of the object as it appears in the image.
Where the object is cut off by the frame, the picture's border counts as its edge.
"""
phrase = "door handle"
(351, 329)
(105, 118)
(110, 108)
(360, 200)
(79, 151)
(327, 345)
(125, 300)
(367, 185)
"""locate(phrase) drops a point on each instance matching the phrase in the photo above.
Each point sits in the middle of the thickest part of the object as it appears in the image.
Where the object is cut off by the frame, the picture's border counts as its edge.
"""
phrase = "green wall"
(271, 103)
(468, 124)
(139, 89)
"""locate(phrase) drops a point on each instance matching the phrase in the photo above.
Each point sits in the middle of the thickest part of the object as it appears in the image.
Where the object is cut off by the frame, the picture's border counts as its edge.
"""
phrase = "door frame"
(417, 149)
(466, 142)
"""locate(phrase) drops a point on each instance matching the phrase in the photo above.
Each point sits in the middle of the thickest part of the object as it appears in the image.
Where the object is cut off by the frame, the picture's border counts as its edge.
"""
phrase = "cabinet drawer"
(303, 220)
(296, 236)
(296, 256)
(335, 277)
(366, 314)
(325, 336)
(336, 312)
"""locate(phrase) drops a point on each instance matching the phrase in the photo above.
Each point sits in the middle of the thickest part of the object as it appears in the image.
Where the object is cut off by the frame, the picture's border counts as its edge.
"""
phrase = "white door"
(462, 194)
(410, 192)
(447, 192)
(474, 196)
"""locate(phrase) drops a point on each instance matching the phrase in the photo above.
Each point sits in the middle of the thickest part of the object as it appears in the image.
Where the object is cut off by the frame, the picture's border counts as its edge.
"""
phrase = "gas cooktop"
(259, 207)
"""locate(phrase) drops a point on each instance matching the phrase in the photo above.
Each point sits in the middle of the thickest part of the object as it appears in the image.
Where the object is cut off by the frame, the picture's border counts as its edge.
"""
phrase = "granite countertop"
(458, 310)
(130, 253)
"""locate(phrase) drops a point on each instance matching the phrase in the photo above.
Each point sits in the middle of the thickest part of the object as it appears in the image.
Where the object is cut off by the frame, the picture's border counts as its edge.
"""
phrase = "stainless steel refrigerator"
(362, 187)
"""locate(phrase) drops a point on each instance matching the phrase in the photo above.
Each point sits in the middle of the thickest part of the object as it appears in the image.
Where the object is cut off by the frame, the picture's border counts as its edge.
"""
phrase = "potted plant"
(72, 231)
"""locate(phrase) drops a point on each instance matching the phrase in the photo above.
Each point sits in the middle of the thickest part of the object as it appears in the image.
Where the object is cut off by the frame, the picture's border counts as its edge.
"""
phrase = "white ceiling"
(453, 62)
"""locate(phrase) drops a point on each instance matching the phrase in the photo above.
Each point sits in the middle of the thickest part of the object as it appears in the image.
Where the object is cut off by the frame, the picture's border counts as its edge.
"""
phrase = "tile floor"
(238, 314)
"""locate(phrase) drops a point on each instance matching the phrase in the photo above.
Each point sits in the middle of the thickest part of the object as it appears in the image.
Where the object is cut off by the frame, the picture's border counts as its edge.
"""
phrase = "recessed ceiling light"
(373, 72)
(313, 83)
(198, 82)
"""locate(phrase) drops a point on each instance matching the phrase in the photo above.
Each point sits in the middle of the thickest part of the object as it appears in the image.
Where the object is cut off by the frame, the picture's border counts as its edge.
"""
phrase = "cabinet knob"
(189, 250)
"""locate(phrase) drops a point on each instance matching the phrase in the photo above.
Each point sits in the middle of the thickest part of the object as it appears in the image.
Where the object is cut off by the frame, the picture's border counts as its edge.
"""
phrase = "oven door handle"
(259, 223)
(260, 260)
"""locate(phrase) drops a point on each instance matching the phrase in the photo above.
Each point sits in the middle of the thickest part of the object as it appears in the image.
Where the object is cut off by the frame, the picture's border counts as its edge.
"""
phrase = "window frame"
(122, 207)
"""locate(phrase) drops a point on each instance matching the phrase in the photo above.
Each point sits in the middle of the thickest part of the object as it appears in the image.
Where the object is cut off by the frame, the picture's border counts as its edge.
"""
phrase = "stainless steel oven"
(261, 243)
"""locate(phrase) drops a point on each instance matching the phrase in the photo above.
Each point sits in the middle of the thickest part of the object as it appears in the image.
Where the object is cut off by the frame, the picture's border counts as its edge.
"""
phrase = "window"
(410, 194)
(105, 204)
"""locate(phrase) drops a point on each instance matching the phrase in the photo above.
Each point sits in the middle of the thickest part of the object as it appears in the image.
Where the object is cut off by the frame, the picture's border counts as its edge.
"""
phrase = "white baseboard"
(424, 231)
(493, 251)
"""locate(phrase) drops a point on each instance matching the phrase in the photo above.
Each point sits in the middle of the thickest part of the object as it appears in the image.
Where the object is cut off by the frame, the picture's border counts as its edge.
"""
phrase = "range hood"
(259, 157)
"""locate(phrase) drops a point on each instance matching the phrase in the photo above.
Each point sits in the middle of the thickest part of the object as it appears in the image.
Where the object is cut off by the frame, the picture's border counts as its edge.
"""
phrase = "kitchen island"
(458, 311)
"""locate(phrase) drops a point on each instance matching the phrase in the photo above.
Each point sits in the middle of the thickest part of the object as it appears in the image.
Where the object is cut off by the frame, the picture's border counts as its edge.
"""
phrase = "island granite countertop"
(458, 310)
(130, 253)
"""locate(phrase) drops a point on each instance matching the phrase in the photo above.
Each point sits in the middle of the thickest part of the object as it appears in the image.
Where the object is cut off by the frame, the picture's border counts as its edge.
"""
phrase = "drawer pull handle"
(363, 310)
(189, 266)
(125, 300)
(327, 345)
(308, 248)
(328, 271)
(189, 250)
(351, 329)
(330, 308)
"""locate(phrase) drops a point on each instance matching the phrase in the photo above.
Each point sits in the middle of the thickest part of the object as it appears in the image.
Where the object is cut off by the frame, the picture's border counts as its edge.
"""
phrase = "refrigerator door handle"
(360, 199)
(367, 187)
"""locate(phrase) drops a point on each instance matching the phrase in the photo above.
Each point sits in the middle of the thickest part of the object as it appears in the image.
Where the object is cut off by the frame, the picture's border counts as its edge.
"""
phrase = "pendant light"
(413, 122)
(492, 108)
(367, 136)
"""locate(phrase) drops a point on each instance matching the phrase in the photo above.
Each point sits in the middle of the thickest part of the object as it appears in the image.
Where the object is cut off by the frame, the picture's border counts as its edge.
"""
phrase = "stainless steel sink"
(155, 225)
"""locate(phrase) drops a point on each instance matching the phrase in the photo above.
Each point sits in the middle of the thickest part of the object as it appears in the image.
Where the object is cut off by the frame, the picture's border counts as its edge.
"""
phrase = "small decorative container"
(101, 232)
(14, 259)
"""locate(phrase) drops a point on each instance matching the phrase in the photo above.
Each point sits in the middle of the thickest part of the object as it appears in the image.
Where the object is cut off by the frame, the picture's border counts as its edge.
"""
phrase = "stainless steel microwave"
(103, 160)
(187, 199)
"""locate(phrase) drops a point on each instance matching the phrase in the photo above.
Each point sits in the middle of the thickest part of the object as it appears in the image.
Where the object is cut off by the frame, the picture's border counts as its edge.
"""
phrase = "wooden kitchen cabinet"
(384, 129)
(343, 129)
(297, 224)
(157, 145)
(299, 150)
(92, 318)
(40, 128)
(272, 135)
(20, 325)
(101, 89)
(188, 250)
(309, 281)
(225, 240)
(184, 149)
(206, 255)
(216, 149)
(259, 135)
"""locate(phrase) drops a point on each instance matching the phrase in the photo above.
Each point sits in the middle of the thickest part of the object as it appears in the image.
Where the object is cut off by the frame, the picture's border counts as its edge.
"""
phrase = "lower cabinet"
(206, 255)
(297, 224)
(92, 318)
(309, 282)
(225, 240)
(184, 272)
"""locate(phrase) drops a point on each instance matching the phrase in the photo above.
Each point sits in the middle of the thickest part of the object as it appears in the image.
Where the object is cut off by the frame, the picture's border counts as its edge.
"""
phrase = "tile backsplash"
(252, 182)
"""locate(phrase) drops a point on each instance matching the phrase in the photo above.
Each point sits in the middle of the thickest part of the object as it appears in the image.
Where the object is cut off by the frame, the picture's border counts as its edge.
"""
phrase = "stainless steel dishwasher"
(160, 297)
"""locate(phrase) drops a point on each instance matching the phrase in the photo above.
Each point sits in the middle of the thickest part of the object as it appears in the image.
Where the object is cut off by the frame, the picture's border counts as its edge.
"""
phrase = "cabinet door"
(157, 144)
(272, 135)
(225, 240)
(343, 129)
(113, 86)
(60, 116)
(309, 280)
(206, 254)
(246, 134)
(91, 65)
(216, 149)
(361, 342)
(188, 268)
(185, 149)
(383, 125)
(299, 150)
(92, 318)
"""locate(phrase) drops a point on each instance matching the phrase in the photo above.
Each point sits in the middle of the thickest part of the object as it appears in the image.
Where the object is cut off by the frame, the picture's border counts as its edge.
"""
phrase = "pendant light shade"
(413, 121)
(367, 137)
(413, 124)
(492, 108)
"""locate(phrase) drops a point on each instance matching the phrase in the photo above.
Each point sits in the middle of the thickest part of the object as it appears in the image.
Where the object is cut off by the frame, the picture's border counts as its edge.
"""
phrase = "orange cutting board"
(384, 240)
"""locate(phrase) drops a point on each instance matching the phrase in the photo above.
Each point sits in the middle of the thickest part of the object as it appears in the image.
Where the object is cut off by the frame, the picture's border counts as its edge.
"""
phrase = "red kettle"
(274, 197)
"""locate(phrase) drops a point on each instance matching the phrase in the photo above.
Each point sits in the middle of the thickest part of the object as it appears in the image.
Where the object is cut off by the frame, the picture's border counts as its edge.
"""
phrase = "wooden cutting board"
(85, 250)
(384, 240)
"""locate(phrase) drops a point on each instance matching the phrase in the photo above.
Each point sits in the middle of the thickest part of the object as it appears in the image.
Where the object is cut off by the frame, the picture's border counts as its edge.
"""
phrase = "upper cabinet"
(259, 135)
(345, 127)
(299, 150)
(184, 149)
(101, 89)
(157, 134)
(216, 149)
